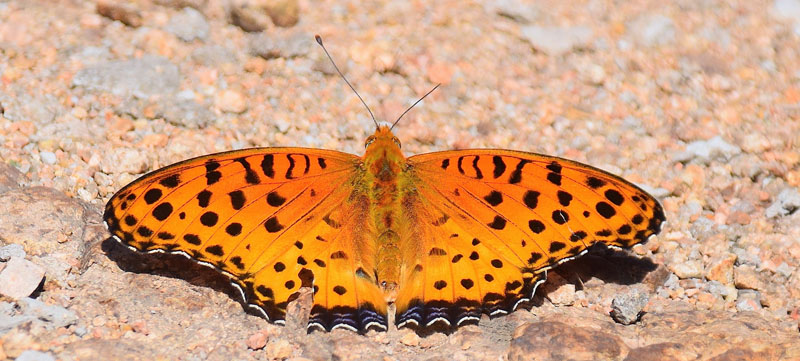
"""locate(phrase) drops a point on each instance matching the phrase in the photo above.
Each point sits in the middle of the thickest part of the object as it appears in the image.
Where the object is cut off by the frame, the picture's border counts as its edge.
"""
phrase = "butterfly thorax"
(384, 163)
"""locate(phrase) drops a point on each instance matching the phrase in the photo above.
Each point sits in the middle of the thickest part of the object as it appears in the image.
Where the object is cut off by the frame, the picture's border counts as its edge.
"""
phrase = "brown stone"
(121, 11)
(746, 276)
(662, 352)
(560, 341)
(720, 268)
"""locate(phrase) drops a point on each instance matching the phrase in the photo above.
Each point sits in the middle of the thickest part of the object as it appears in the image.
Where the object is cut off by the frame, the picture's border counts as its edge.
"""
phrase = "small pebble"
(410, 339)
(284, 13)
(11, 250)
(653, 30)
(705, 151)
(20, 278)
(231, 101)
(189, 25)
(257, 341)
(787, 9)
(123, 12)
(748, 300)
(564, 295)
(687, 269)
(80, 331)
(48, 157)
(787, 202)
(557, 41)
(54, 315)
(627, 308)
(31, 355)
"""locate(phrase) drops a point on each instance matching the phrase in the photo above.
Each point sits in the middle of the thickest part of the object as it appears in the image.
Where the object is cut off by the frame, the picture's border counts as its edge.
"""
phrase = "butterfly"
(443, 236)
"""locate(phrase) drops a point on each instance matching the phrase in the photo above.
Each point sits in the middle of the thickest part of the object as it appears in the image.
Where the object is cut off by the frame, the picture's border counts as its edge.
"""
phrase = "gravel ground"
(697, 101)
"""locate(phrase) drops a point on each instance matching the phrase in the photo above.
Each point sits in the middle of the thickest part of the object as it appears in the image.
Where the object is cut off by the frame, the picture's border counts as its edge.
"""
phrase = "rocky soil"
(697, 101)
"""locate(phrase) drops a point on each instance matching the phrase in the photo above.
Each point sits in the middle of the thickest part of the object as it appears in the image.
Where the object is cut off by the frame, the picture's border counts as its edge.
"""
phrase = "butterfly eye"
(369, 141)
(397, 141)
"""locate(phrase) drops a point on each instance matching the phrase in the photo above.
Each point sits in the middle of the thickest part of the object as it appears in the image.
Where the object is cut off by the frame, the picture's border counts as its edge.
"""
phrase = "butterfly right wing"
(272, 219)
(488, 224)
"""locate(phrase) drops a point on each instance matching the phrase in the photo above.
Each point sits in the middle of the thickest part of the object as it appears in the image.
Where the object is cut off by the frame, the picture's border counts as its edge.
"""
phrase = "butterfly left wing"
(489, 223)
(272, 219)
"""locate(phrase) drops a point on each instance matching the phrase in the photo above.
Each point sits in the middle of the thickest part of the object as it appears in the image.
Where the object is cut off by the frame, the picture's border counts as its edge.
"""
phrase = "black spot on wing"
(614, 196)
(321, 162)
(531, 199)
(237, 199)
(234, 229)
(494, 198)
(536, 226)
(209, 219)
(268, 165)
(215, 250)
(435, 251)
(308, 164)
(603, 233)
(250, 175)
(535, 257)
(560, 216)
(595, 182)
(556, 246)
(152, 195)
(162, 211)
(554, 178)
(605, 210)
(272, 225)
(577, 236)
(274, 199)
(171, 181)
(498, 223)
(237, 261)
(564, 198)
(499, 166)
(192, 239)
(516, 175)
(554, 167)
(291, 166)
(212, 174)
(445, 163)
(144, 231)
(203, 198)
(478, 173)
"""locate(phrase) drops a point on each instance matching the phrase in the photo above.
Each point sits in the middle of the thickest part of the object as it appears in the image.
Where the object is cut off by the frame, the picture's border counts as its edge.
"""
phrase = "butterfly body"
(444, 236)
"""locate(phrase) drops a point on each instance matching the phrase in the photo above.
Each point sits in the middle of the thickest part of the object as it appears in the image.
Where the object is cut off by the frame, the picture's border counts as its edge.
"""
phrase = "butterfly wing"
(500, 220)
(272, 219)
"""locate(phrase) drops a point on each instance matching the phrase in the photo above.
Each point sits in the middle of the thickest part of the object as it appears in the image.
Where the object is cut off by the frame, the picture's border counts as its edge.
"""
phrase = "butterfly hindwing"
(502, 218)
(265, 217)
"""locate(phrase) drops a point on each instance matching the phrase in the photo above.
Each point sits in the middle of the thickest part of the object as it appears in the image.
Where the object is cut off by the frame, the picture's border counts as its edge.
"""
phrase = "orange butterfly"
(445, 236)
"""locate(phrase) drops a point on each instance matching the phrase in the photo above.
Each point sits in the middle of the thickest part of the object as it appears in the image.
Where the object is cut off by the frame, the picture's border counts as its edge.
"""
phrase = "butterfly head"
(382, 138)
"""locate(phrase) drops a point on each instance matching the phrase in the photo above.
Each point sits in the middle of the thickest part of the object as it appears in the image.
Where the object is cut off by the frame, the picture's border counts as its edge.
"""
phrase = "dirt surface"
(696, 101)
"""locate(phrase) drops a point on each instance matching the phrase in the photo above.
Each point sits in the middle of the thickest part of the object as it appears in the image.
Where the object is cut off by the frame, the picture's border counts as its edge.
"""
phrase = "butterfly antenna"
(319, 41)
(412, 106)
